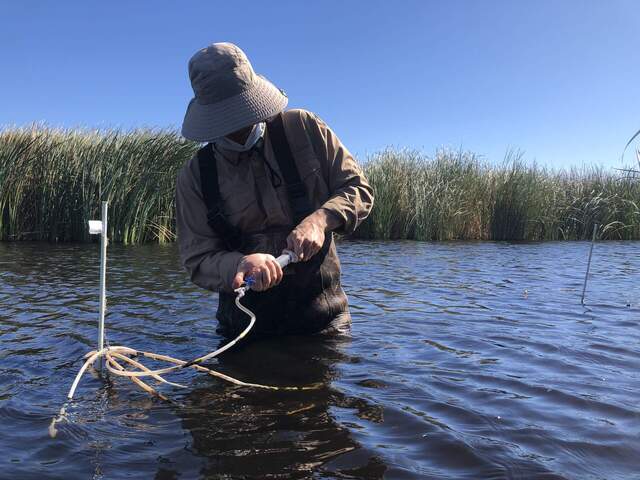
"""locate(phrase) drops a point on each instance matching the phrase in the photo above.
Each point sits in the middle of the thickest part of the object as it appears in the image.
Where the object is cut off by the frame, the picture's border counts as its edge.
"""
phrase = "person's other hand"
(307, 238)
(262, 267)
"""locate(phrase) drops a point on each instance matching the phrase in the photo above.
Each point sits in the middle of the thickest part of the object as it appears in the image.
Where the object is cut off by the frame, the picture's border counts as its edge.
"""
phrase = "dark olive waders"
(310, 298)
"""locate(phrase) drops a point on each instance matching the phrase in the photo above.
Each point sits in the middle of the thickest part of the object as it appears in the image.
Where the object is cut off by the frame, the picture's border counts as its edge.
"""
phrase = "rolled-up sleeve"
(351, 196)
(202, 252)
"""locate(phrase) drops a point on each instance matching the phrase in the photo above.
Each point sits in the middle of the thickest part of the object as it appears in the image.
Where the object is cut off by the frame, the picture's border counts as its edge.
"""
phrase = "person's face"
(240, 136)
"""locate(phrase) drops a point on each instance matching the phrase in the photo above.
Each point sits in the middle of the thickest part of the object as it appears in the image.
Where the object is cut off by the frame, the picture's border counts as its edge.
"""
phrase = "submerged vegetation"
(51, 182)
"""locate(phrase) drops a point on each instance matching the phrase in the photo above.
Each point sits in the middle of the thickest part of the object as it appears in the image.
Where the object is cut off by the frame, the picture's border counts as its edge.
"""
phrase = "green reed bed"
(51, 183)
(458, 196)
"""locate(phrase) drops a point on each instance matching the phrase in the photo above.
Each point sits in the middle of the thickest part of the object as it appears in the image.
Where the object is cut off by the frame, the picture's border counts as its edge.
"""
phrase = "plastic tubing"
(283, 260)
(115, 353)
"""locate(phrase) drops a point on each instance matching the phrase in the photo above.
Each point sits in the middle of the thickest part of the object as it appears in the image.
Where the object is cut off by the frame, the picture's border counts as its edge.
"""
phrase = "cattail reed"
(52, 182)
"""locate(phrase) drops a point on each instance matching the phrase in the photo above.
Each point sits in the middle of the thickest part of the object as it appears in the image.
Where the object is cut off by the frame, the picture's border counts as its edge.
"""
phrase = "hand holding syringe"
(283, 260)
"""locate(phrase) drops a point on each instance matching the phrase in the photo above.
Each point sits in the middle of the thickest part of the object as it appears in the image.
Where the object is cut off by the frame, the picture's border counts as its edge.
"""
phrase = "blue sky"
(558, 79)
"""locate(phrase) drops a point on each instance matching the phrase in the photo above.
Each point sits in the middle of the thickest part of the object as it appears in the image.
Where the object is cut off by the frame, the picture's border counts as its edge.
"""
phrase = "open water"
(465, 361)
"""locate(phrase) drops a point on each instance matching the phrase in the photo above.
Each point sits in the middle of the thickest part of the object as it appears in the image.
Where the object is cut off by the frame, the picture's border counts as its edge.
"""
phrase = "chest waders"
(309, 298)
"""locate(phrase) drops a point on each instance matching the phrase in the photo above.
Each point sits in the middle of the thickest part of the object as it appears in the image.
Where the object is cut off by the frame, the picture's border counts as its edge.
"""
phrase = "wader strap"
(211, 195)
(296, 191)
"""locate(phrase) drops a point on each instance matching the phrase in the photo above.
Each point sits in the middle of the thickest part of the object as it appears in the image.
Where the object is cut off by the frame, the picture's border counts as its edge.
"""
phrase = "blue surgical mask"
(256, 133)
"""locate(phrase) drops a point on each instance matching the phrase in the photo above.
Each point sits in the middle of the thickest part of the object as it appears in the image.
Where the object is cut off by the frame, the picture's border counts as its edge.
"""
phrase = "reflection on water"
(466, 360)
(257, 432)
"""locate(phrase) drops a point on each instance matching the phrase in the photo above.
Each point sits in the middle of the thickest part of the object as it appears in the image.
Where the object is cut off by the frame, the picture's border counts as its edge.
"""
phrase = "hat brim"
(204, 123)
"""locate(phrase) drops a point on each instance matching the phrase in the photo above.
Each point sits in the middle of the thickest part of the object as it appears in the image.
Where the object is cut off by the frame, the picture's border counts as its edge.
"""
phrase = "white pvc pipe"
(103, 277)
(586, 275)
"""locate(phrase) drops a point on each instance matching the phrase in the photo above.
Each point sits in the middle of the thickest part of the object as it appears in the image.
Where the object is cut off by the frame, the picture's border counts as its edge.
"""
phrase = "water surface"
(465, 360)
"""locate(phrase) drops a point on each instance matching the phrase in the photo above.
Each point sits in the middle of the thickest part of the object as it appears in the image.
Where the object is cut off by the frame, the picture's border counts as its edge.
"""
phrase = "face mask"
(256, 132)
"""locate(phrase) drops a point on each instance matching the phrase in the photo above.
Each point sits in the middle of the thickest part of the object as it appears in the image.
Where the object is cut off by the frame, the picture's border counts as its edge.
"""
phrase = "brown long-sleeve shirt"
(254, 196)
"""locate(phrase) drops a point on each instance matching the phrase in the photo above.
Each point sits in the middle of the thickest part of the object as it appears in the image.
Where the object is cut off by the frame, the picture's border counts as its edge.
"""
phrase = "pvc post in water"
(100, 227)
(103, 275)
(586, 275)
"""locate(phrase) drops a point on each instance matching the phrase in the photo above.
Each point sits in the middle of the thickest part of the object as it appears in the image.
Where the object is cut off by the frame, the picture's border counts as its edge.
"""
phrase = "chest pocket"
(241, 208)
(236, 203)
(312, 175)
(250, 198)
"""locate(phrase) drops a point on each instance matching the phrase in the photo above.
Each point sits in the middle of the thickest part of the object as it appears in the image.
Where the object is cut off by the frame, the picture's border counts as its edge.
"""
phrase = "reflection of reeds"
(52, 181)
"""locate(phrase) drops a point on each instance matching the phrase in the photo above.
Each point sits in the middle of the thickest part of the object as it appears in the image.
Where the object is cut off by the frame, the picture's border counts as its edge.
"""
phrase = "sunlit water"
(466, 360)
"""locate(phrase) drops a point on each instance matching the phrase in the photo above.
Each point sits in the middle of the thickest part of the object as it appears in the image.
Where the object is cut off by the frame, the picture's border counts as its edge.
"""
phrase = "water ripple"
(466, 360)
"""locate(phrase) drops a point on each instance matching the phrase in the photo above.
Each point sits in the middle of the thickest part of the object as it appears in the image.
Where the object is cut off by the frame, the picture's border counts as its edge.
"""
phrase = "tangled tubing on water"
(113, 355)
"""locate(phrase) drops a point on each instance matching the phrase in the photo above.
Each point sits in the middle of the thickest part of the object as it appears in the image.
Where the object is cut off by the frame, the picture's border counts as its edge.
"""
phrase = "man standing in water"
(266, 180)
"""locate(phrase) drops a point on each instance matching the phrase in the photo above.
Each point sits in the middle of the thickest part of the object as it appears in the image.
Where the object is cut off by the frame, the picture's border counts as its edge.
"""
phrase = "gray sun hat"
(229, 95)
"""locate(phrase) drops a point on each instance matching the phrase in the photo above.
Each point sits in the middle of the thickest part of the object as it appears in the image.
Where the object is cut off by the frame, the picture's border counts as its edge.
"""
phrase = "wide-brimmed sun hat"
(229, 95)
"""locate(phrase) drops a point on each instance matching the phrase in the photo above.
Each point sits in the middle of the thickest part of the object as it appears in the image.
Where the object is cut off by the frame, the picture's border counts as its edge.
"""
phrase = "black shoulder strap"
(296, 190)
(211, 195)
